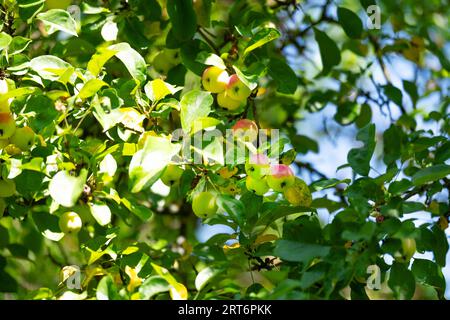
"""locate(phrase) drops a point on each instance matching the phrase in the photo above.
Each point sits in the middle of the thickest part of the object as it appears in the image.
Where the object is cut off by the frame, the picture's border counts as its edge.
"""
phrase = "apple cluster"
(232, 93)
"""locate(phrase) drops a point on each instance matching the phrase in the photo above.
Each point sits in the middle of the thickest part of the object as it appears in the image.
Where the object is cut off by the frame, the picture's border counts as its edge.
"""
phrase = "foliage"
(103, 85)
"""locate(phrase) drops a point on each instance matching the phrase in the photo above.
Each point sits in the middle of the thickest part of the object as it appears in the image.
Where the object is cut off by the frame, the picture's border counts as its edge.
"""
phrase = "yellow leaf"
(135, 281)
(265, 238)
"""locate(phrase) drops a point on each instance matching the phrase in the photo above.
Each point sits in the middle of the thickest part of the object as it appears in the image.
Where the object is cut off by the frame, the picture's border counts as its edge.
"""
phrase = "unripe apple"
(246, 130)
(257, 186)
(7, 188)
(204, 204)
(161, 63)
(298, 194)
(236, 89)
(214, 79)
(407, 251)
(7, 125)
(231, 188)
(280, 177)
(224, 101)
(3, 143)
(70, 222)
(173, 55)
(23, 138)
(171, 175)
(257, 166)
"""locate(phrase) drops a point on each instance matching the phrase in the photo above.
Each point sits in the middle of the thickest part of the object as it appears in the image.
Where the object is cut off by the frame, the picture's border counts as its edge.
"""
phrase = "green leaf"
(431, 174)
(101, 213)
(203, 123)
(99, 59)
(300, 252)
(402, 282)
(350, 22)
(205, 276)
(365, 115)
(107, 290)
(359, 158)
(428, 272)
(18, 44)
(5, 40)
(233, 207)
(194, 105)
(392, 144)
(210, 59)
(394, 94)
(183, 19)
(147, 164)
(29, 8)
(152, 286)
(411, 89)
(262, 37)
(140, 211)
(329, 51)
(91, 87)
(327, 183)
(47, 224)
(66, 189)
(58, 20)
(132, 60)
(49, 67)
(158, 89)
(284, 76)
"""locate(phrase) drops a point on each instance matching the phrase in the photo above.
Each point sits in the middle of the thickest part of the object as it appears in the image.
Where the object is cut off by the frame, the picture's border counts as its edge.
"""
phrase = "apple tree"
(180, 149)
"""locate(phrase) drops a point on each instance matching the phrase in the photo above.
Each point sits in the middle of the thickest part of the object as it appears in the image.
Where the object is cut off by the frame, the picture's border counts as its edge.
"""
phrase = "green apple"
(298, 194)
(3, 206)
(236, 89)
(23, 138)
(161, 63)
(257, 186)
(214, 79)
(231, 188)
(57, 4)
(257, 166)
(407, 251)
(173, 55)
(224, 101)
(171, 175)
(70, 222)
(204, 204)
(280, 177)
(7, 188)
(7, 125)
(246, 130)
(3, 143)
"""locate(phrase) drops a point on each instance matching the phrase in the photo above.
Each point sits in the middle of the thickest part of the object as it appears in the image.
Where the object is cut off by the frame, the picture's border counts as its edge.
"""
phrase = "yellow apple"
(23, 138)
(70, 222)
(7, 125)
(214, 79)
(204, 204)
(236, 89)
(226, 102)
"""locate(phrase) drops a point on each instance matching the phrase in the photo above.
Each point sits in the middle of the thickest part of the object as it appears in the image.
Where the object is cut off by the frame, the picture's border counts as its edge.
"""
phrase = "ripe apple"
(7, 125)
(224, 101)
(23, 138)
(204, 204)
(257, 166)
(257, 186)
(215, 80)
(246, 130)
(7, 188)
(298, 194)
(70, 222)
(280, 177)
(171, 175)
(236, 89)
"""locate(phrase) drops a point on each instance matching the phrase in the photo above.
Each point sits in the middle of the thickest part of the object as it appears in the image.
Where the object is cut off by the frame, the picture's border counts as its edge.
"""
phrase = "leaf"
(300, 252)
(262, 37)
(29, 8)
(203, 123)
(205, 276)
(58, 20)
(18, 44)
(158, 89)
(411, 89)
(107, 290)
(66, 189)
(359, 158)
(350, 22)
(327, 183)
(364, 117)
(47, 224)
(152, 286)
(394, 94)
(284, 76)
(329, 51)
(99, 59)
(91, 87)
(49, 67)
(194, 104)
(402, 282)
(5, 40)
(183, 19)
(147, 164)
(428, 272)
(392, 144)
(233, 207)
(101, 213)
(210, 59)
(431, 174)
(132, 60)
(177, 291)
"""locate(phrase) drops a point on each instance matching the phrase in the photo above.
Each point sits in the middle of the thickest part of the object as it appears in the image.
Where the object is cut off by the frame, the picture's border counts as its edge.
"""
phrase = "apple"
(70, 222)
(236, 89)
(3, 143)
(7, 188)
(257, 166)
(215, 80)
(227, 173)
(4, 103)
(57, 4)
(257, 186)
(204, 204)
(298, 194)
(171, 175)
(280, 177)
(12, 150)
(246, 130)
(161, 63)
(7, 125)
(231, 188)
(173, 55)
(23, 138)
(3, 206)
(407, 251)
(224, 101)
